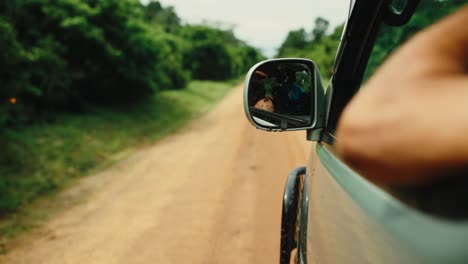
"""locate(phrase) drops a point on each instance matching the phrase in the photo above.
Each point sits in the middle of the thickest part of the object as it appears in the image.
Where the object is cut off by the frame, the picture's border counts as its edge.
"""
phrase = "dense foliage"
(62, 57)
(321, 47)
(390, 38)
(217, 55)
(65, 54)
(316, 45)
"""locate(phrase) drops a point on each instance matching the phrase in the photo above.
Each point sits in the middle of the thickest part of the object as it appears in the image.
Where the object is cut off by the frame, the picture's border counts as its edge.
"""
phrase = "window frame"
(352, 57)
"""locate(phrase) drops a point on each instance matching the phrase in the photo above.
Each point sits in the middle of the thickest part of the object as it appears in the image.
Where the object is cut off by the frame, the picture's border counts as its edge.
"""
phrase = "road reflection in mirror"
(281, 94)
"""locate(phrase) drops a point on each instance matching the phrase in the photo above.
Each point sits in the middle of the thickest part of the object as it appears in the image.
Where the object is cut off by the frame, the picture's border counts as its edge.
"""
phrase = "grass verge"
(42, 159)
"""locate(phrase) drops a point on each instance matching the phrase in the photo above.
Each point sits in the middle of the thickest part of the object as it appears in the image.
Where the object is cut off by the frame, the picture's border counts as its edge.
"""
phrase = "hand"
(409, 124)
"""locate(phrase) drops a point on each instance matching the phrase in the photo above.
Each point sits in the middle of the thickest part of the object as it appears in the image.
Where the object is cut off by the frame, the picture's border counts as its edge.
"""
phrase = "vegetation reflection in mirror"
(280, 94)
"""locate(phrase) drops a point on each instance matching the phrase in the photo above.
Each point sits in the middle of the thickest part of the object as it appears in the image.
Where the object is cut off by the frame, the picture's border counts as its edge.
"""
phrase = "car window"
(390, 38)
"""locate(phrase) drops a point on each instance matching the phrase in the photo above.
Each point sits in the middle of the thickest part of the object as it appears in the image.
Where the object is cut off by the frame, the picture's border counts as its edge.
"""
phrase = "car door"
(353, 220)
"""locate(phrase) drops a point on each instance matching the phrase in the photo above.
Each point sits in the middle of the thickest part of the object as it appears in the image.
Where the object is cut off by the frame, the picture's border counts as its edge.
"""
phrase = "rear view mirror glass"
(280, 94)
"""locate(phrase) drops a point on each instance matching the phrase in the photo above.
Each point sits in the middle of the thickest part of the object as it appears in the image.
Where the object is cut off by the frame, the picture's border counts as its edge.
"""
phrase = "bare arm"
(409, 124)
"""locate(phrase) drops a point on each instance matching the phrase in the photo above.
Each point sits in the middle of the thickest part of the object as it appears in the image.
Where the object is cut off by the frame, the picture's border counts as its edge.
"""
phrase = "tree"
(295, 40)
(321, 27)
(63, 55)
(321, 48)
(390, 38)
(167, 18)
(216, 54)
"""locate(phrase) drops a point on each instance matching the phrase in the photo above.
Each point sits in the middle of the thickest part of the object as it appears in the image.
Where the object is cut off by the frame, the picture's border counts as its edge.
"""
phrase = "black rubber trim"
(290, 214)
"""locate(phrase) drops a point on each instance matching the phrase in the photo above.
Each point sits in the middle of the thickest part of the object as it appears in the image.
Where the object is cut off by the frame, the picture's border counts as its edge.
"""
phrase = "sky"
(261, 23)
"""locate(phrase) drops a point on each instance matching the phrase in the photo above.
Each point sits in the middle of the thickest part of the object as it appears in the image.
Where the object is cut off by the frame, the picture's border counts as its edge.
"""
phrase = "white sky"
(261, 23)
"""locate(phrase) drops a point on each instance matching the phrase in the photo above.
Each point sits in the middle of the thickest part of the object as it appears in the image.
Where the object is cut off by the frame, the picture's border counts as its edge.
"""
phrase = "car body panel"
(351, 220)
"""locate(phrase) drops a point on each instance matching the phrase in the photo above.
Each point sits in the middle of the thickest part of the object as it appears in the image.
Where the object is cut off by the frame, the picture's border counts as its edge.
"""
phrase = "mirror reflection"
(280, 94)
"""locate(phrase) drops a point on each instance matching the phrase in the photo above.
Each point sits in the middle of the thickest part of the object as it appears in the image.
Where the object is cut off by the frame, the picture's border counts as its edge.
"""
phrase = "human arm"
(409, 124)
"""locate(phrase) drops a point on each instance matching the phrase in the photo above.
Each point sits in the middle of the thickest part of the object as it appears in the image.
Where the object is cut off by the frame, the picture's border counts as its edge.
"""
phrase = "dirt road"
(209, 194)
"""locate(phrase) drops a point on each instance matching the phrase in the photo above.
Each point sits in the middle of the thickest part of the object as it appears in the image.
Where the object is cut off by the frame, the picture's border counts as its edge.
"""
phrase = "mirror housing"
(285, 95)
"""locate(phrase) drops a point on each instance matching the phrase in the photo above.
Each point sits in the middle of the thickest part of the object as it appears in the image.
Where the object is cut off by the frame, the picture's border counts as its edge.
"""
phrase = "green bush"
(317, 45)
(63, 55)
(70, 57)
(390, 38)
(216, 54)
(48, 156)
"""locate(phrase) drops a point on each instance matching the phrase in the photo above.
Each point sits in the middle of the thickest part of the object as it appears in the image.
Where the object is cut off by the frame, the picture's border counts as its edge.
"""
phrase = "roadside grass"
(40, 160)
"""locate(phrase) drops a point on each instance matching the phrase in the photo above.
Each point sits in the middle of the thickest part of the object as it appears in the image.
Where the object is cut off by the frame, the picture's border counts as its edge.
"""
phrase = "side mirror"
(283, 94)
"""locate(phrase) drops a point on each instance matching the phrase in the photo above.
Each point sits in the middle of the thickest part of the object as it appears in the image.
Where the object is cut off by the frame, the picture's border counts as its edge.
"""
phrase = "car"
(331, 213)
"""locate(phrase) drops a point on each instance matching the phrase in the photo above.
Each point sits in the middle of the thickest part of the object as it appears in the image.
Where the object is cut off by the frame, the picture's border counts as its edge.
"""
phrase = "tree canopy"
(62, 55)
(314, 44)
(322, 47)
